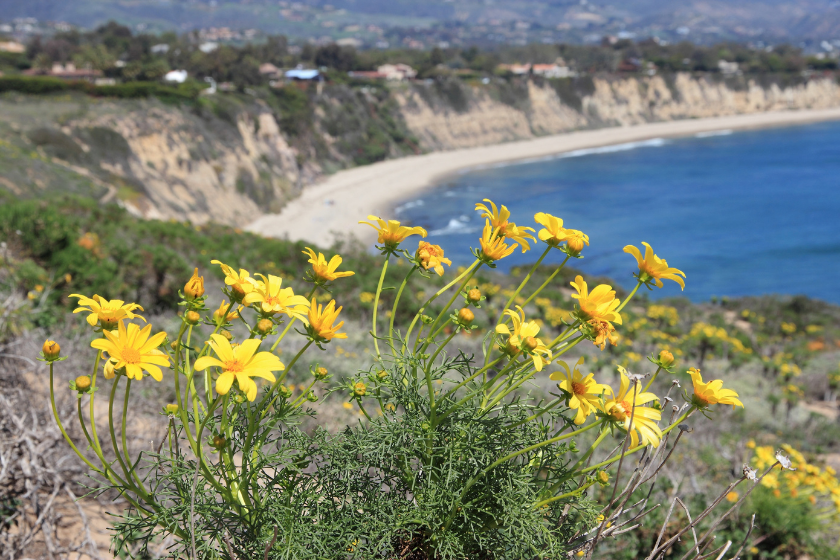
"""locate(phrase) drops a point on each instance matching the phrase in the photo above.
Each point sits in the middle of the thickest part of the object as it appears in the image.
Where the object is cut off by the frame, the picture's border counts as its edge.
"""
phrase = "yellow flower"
(240, 363)
(241, 284)
(553, 233)
(321, 321)
(219, 313)
(391, 233)
(710, 393)
(324, 271)
(586, 393)
(194, 287)
(498, 218)
(621, 408)
(431, 256)
(653, 268)
(493, 247)
(275, 299)
(599, 305)
(133, 349)
(523, 338)
(107, 313)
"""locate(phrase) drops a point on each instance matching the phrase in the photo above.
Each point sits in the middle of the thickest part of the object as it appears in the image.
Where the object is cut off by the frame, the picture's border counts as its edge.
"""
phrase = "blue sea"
(743, 213)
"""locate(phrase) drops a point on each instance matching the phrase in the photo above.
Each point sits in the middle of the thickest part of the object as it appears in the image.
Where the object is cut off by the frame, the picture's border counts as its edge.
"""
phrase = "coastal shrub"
(454, 458)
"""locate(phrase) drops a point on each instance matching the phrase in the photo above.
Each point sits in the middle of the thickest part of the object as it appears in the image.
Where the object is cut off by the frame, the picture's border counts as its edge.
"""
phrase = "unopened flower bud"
(82, 383)
(192, 317)
(531, 343)
(194, 287)
(474, 295)
(666, 359)
(575, 244)
(382, 375)
(264, 326)
(51, 350)
(359, 389)
(227, 335)
(320, 372)
(219, 442)
(284, 391)
(172, 408)
(310, 396)
(239, 399)
(603, 478)
(237, 293)
(466, 316)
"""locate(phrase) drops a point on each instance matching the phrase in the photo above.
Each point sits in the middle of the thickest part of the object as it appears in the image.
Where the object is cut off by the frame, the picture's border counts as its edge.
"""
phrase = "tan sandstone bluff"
(334, 207)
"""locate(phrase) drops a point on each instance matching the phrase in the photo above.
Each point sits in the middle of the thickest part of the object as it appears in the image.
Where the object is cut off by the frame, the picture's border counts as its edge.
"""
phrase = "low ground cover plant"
(455, 458)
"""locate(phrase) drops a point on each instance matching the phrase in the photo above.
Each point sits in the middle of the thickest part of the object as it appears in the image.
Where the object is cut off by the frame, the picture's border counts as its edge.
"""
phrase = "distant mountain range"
(428, 23)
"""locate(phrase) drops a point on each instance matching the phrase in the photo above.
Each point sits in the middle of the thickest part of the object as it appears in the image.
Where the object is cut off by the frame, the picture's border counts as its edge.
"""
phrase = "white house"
(176, 76)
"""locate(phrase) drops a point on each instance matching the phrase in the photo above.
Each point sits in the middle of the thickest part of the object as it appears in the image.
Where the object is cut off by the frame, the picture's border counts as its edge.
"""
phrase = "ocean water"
(743, 213)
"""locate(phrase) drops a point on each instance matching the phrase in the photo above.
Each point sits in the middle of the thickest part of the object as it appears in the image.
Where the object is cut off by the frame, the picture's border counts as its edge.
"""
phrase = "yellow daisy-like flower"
(106, 313)
(553, 233)
(323, 271)
(241, 364)
(431, 257)
(706, 394)
(523, 338)
(273, 298)
(133, 349)
(493, 246)
(241, 284)
(321, 321)
(499, 219)
(391, 233)
(600, 304)
(586, 393)
(629, 402)
(653, 268)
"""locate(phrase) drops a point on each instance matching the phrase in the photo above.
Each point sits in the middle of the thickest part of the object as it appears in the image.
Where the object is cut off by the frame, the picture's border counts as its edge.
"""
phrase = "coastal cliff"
(556, 106)
(230, 158)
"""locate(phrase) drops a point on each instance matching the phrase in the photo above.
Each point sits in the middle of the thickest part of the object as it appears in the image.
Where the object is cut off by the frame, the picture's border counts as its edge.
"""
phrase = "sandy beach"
(334, 206)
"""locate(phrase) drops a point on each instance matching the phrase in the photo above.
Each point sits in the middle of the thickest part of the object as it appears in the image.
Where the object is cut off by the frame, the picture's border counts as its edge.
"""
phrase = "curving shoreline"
(334, 207)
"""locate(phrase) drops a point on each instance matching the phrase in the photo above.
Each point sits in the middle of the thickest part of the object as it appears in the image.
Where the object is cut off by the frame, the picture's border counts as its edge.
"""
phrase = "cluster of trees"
(119, 53)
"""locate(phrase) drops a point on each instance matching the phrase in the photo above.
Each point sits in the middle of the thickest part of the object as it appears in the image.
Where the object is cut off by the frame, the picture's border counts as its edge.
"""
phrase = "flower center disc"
(234, 367)
(578, 388)
(130, 356)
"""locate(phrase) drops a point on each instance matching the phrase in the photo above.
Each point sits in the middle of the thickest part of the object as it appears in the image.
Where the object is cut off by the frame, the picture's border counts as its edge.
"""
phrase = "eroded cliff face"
(160, 161)
(556, 107)
(244, 157)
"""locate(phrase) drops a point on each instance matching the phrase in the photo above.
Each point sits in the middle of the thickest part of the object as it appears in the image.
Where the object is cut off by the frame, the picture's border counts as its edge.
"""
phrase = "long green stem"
(629, 296)
(95, 441)
(394, 308)
(435, 296)
(547, 282)
(522, 284)
(279, 380)
(61, 426)
(376, 304)
(446, 307)
(652, 379)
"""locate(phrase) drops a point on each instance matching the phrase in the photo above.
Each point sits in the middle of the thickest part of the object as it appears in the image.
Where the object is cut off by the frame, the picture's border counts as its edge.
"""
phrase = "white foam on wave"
(652, 143)
(456, 226)
(408, 205)
(712, 133)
